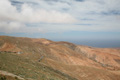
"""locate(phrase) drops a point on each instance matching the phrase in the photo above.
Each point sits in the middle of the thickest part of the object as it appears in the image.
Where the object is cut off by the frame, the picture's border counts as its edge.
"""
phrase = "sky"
(86, 22)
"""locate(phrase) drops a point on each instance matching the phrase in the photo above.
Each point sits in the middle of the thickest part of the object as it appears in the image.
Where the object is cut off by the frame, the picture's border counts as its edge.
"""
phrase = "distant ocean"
(99, 43)
(96, 43)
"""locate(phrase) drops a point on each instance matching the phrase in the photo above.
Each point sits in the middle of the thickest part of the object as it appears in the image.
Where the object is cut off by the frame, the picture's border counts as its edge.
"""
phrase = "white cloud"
(62, 12)
(42, 15)
(11, 19)
(9, 27)
(29, 14)
(7, 11)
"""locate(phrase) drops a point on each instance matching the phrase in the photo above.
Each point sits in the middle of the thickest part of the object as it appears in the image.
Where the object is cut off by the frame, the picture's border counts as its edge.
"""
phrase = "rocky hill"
(42, 59)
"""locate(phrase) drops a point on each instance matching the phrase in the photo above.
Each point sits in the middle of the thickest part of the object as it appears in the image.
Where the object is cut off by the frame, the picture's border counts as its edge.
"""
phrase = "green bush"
(3, 78)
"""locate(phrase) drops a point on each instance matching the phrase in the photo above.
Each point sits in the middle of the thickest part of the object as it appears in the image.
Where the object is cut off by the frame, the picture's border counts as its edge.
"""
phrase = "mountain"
(42, 59)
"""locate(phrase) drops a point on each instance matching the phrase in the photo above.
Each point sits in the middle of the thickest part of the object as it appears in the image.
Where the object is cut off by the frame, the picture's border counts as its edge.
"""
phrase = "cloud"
(42, 15)
(59, 15)
(80, 0)
(7, 11)
(29, 14)
(12, 19)
(9, 27)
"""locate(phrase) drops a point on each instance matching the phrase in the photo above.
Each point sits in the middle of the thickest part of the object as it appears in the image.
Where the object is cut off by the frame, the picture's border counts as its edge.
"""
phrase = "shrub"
(3, 78)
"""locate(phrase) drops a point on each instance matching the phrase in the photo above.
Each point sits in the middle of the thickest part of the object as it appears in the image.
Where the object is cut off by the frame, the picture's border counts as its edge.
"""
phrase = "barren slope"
(107, 57)
(78, 62)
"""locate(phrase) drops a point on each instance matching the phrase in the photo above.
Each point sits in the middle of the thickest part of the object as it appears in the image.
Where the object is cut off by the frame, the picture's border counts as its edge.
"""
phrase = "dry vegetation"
(41, 59)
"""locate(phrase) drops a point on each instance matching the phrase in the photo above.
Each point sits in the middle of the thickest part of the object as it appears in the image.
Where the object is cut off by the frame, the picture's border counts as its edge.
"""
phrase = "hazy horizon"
(91, 43)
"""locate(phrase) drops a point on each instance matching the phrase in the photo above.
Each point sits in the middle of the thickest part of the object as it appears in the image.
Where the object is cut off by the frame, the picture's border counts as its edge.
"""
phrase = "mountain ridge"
(65, 57)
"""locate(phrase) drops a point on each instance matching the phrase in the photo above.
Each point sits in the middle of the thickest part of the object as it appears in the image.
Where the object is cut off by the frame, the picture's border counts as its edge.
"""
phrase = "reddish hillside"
(81, 62)
(107, 57)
